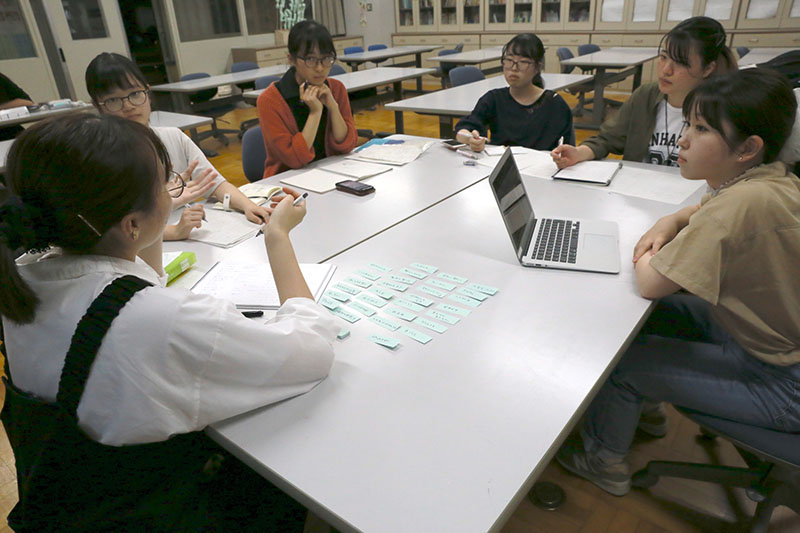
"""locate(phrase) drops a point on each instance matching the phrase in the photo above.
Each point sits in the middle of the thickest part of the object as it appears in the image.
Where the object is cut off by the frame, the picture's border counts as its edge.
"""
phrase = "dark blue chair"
(336, 70)
(771, 477)
(353, 50)
(588, 48)
(372, 47)
(443, 70)
(464, 75)
(254, 154)
(265, 81)
(202, 104)
(742, 51)
(580, 91)
(242, 66)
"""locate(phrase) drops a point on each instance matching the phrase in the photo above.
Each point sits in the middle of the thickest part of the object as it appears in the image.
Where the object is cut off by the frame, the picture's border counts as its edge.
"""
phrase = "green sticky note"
(372, 276)
(379, 267)
(393, 285)
(347, 288)
(416, 335)
(383, 293)
(491, 291)
(418, 299)
(430, 324)
(460, 298)
(370, 299)
(453, 309)
(343, 333)
(472, 294)
(410, 305)
(359, 282)
(336, 295)
(385, 341)
(399, 313)
(441, 284)
(401, 279)
(414, 273)
(341, 312)
(427, 268)
(432, 291)
(361, 308)
(391, 325)
(444, 317)
(452, 277)
(330, 303)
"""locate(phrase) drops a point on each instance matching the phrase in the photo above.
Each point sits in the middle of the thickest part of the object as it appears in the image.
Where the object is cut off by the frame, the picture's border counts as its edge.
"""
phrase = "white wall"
(380, 21)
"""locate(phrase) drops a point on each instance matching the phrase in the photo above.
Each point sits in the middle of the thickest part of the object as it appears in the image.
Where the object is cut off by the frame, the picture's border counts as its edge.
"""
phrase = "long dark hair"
(704, 35)
(530, 46)
(70, 180)
(109, 71)
(753, 101)
(307, 34)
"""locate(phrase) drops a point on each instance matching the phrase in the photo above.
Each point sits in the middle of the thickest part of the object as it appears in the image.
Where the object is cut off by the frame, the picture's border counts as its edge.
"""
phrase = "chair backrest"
(376, 47)
(254, 154)
(447, 67)
(244, 65)
(459, 47)
(353, 50)
(742, 50)
(564, 53)
(336, 70)
(200, 96)
(265, 81)
(464, 75)
(589, 48)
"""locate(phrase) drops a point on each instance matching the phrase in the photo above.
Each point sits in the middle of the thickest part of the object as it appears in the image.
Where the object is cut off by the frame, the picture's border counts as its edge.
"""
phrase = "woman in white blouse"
(98, 190)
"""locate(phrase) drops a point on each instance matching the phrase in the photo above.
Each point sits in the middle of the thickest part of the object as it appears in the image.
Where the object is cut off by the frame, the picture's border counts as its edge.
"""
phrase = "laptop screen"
(506, 184)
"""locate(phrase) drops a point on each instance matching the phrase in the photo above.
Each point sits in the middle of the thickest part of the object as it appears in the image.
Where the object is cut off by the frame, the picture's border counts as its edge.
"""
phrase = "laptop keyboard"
(557, 241)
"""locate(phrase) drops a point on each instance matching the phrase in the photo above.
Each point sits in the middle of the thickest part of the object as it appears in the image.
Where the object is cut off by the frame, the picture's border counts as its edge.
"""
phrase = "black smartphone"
(355, 187)
(453, 144)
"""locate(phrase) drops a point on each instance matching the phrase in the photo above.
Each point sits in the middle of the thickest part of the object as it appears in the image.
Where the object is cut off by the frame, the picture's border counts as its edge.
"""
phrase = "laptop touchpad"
(597, 245)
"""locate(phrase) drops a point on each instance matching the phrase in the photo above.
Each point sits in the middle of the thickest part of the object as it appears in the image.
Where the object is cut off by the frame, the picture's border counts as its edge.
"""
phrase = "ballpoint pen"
(188, 206)
(300, 198)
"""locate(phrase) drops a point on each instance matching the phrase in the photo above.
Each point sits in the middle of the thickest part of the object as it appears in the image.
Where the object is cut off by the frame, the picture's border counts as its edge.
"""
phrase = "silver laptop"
(571, 244)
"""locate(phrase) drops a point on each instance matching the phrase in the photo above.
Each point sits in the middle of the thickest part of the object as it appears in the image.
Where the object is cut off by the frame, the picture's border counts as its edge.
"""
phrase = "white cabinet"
(675, 11)
(416, 15)
(760, 14)
(791, 14)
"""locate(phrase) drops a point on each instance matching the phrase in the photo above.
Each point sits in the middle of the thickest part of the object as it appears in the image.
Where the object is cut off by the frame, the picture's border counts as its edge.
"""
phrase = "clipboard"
(597, 172)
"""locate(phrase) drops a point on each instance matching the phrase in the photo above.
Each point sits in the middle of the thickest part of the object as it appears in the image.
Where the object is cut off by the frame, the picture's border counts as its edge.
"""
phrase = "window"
(15, 39)
(261, 16)
(206, 19)
(85, 19)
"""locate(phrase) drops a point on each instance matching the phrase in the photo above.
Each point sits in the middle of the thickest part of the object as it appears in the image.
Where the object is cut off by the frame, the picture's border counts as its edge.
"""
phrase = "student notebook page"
(224, 228)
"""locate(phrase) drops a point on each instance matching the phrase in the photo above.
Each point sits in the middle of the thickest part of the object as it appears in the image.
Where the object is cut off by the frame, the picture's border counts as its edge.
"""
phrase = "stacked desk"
(354, 60)
(474, 57)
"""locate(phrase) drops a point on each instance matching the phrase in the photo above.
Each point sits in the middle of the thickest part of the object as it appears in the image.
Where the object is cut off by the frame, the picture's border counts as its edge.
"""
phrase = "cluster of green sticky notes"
(391, 325)
(352, 291)
(372, 276)
(393, 285)
(486, 289)
(409, 305)
(443, 317)
(399, 313)
(416, 335)
(414, 273)
(370, 299)
(379, 267)
(432, 291)
(426, 268)
(419, 300)
(430, 324)
(442, 284)
(361, 308)
(385, 341)
(472, 294)
(343, 333)
(336, 295)
(364, 284)
(453, 309)
(383, 293)
(451, 277)
(330, 303)
(401, 279)
(341, 312)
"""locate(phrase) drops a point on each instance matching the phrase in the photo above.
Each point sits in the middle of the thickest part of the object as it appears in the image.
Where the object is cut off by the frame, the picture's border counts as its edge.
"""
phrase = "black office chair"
(463, 75)
(202, 104)
(261, 83)
(772, 475)
(580, 91)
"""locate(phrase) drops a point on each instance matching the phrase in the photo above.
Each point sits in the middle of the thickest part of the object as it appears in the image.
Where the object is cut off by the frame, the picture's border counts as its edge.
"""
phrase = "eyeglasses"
(136, 98)
(175, 184)
(313, 62)
(522, 64)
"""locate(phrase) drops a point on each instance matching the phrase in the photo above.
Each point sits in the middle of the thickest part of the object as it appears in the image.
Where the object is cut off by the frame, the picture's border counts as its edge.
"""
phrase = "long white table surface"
(619, 56)
(178, 120)
(386, 53)
(756, 56)
(243, 76)
(42, 114)
(449, 436)
(472, 57)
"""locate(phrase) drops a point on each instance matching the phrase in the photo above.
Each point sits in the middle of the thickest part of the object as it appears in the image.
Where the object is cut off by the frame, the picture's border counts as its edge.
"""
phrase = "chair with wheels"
(772, 475)
(241, 66)
(261, 83)
(254, 154)
(464, 75)
(443, 70)
(580, 91)
(203, 104)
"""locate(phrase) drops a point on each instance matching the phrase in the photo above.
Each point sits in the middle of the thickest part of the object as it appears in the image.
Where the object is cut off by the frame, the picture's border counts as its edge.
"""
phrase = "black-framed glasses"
(175, 184)
(311, 61)
(136, 98)
(522, 64)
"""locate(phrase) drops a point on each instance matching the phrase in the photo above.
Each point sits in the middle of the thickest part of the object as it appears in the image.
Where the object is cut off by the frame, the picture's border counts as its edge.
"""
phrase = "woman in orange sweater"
(305, 116)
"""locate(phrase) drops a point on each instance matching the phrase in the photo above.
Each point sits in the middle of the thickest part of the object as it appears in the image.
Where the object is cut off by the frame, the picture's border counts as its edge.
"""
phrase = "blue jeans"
(682, 357)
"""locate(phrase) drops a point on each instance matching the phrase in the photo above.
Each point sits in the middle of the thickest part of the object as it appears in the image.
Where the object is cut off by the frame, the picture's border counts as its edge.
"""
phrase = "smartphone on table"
(453, 144)
(355, 187)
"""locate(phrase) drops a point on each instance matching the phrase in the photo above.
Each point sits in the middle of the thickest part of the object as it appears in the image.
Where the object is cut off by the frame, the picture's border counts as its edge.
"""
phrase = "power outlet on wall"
(369, 7)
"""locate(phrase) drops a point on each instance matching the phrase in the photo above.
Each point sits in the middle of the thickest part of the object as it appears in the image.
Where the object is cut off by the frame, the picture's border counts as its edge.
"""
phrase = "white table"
(42, 114)
(474, 57)
(429, 438)
(756, 56)
(631, 59)
(181, 90)
(5, 146)
(367, 79)
(354, 60)
(460, 101)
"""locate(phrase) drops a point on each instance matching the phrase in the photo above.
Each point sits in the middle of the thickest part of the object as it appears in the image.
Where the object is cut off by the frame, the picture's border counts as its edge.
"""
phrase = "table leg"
(637, 77)
(445, 127)
(399, 127)
(180, 102)
(418, 63)
(397, 89)
(598, 102)
(353, 66)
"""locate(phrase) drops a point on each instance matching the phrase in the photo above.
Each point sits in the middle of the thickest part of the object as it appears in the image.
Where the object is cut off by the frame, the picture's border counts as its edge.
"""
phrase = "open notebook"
(251, 285)
(324, 178)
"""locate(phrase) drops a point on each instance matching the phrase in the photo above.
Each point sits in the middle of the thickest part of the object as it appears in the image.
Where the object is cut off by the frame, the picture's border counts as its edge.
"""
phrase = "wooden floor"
(670, 506)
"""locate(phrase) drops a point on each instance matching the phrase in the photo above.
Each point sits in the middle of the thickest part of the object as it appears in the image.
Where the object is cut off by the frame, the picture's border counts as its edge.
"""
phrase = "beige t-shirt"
(741, 253)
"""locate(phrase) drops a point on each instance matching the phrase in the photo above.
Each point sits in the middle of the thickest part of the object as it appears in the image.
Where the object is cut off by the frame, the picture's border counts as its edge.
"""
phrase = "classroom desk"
(180, 121)
(756, 56)
(367, 79)
(354, 60)
(180, 91)
(42, 114)
(474, 57)
(459, 101)
(630, 59)
(451, 435)
(5, 146)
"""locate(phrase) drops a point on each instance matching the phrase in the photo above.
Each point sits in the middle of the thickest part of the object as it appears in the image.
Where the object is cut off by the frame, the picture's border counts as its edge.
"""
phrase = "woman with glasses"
(305, 116)
(648, 125)
(524, 113)
(117, 87)
(96, 191)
